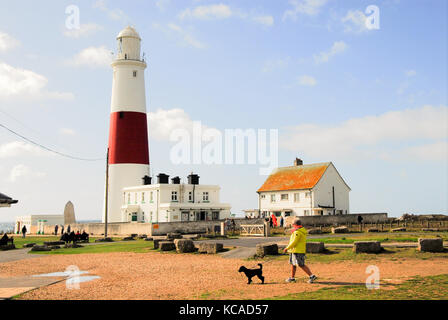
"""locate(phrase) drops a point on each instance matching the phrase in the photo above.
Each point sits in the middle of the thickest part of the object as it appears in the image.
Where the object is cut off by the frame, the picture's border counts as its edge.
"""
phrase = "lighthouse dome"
(128, 32)
(128, 42)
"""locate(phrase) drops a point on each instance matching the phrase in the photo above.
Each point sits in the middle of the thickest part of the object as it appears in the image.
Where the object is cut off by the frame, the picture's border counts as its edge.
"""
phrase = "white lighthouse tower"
(128, 132)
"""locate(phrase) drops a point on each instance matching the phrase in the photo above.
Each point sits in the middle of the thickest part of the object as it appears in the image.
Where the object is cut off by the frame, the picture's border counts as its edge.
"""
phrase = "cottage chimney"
(298, 162)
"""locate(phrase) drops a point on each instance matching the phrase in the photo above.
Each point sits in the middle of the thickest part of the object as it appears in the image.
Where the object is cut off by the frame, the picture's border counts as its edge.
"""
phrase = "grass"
(343, 254)
(417, 288)
(137, 246)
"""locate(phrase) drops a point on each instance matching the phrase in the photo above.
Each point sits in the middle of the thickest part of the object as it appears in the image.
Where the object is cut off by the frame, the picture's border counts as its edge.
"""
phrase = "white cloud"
(337, 48)
(267, 21)
(207, 12)
(307, 81)
(437, 151)
(307, 7)
(84, 31)
(7, 42)
(421, 129)
(67, 131)
(355, 22)
(20, 148)
(114, 14)
(21, 171)
(93, 57)
(25, 84)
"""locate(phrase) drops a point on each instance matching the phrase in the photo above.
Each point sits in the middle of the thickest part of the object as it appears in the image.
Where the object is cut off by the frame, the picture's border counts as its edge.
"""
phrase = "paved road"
(16, 254)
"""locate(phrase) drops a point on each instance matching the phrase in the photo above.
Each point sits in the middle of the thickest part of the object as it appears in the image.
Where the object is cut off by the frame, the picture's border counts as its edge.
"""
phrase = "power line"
(48, 149)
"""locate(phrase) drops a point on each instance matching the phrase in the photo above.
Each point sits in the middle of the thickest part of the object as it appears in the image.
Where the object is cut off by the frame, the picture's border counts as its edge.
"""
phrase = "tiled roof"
(294, 178)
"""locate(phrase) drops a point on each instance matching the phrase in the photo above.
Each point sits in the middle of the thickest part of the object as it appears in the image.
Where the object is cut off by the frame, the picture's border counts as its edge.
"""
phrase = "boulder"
(128, 239)
(184, 245)
(167, 246)
(367, 247)
(54, 243)
(431, 229)
(6, 247)
(314, 231)
(266, 249)
(148, 239)
(40, 248)
(430, 245)
(142, 236)
(54, 247)
(340, 230)
(157, 242)
(173, 235)
(398, 230)
(73, 245)
(210, 248)
(191, 236)
(29, 245)
(315, 247)
(373, 230)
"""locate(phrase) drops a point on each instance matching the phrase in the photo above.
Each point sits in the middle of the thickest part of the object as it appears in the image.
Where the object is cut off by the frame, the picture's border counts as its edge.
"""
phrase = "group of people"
(230, 225)
(75, 237)
(5, 240)
(274, 222)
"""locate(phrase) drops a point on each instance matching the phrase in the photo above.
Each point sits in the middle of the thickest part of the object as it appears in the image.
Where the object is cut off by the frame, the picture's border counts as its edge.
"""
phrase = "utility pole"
(107, 195)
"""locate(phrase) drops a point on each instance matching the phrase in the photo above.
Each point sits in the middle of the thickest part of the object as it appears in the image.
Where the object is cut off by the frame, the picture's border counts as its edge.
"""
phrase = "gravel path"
(156, 275)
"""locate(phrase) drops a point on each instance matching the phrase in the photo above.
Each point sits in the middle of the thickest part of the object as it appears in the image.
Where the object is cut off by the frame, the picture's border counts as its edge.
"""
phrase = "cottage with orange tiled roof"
(304, 190)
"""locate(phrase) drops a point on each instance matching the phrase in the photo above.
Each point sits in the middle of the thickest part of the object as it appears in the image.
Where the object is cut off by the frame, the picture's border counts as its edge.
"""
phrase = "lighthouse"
(128, 131)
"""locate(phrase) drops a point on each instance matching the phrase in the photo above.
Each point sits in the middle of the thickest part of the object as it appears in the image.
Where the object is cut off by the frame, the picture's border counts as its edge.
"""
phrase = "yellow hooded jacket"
(297, 241)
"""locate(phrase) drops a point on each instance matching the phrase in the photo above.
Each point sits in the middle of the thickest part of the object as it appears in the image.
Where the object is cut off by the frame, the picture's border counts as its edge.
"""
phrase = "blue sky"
(374, 102)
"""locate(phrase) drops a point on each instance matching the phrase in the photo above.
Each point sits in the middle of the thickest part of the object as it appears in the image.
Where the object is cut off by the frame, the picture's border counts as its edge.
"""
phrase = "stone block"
(173, 235)
(314, 231)
(40, 248)
(430, 245)
(210, 248)
(184, 245)
(29, 245)
(398, 230)
(167, 246)
(266, 249)
(54, 243)
(315, 247)
(373, 230)
(104, 240)
(128, 239)
(340, 230)
(6, 247)
(367, 247)
(73, 245)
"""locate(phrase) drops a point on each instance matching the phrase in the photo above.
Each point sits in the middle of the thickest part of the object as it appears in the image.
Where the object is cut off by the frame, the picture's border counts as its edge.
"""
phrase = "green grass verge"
(417, 288)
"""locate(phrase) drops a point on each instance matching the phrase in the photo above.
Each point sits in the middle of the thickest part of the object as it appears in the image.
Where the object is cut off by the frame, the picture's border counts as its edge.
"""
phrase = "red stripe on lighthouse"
(128, 138)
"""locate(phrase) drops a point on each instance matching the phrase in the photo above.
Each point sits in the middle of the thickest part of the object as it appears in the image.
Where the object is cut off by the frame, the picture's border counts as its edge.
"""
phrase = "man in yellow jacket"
(297, 250)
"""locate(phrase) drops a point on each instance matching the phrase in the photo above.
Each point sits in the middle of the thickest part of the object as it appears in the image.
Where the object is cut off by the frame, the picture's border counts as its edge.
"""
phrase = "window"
(307, 194)
(173, 195)
(215, 215)
(143, 197)
(263, 196)
(190, 196)
(272, 197)
(205, 196)
(135, 197)
(143, 216)
(296, 197)
(134, 73)
(284, 197)
(306, 212)
(151, 196)
(129, 198)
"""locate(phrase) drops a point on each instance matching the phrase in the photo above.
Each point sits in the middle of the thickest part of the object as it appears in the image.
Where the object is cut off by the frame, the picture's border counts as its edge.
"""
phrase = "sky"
(372, 99)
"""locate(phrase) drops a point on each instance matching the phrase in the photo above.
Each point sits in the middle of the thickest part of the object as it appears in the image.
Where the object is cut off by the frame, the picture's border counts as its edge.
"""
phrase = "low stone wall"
(340, 219)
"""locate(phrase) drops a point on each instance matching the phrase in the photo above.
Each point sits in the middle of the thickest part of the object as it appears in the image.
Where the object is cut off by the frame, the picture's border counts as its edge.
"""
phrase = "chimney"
(146, 180)
(298, 162)
(193, 179)
(162, 178)
(175, 180)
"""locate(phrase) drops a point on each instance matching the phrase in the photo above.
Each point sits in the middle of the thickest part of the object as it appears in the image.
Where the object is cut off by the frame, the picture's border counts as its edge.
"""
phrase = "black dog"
(250, 273)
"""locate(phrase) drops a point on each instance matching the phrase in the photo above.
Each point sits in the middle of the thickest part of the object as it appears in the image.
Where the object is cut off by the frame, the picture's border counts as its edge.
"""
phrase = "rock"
(157, 242)
(430, 245)
(54, 247)
(191, 236)
(367, 247)
(184, 245)
(314, 231)
(340, 230)
(431, 229)
(315, 247)
(104, 240)
(142, 236)
(398, 230)
(54, 243)
(167, 246)
(148, 239)
(73, 245)
(6, 247)
(40, 248)
(29, 245)
(373, 230)
(128, 239)
(173, 235)
(210, 248)
(266, 249)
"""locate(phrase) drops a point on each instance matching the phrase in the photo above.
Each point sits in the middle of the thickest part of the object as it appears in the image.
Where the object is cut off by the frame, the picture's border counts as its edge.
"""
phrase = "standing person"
(68, 229)
(270, 222)
(274, 220)
(360, 218)
(297, 250)
(56, 227)
(281, 221)
(24, 232)
(62, 229)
